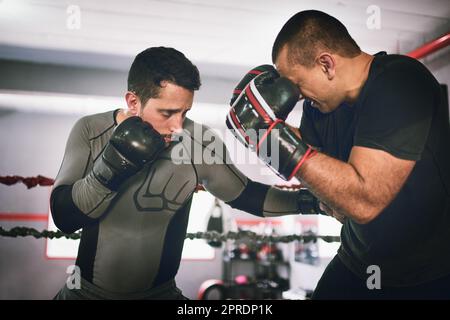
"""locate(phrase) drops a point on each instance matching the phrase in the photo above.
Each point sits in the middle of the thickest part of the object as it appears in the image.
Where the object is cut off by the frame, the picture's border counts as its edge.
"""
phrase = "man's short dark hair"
(309, 31)
(155, 65)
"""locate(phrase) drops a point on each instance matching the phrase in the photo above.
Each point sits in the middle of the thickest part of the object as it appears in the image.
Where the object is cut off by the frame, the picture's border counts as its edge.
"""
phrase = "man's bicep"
(76, 156)
(381, 174)
(223, 180)
(67, 215)
(216, 171)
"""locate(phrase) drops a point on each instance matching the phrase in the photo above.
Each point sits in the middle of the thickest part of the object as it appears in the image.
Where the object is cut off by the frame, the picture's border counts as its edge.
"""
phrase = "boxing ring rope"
(209, 236)
(430, 47)
(31, 182)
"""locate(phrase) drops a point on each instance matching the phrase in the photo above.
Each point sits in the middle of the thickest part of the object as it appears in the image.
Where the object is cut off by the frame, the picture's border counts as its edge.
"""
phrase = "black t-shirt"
(400, 110)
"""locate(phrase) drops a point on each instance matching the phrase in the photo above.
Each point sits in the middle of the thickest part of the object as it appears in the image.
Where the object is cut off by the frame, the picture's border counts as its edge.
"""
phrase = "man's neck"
(121, 115)
(357, 74)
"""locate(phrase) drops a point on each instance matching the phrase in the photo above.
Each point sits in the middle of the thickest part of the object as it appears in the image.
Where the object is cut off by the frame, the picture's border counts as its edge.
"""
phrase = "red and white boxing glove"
(257, 119)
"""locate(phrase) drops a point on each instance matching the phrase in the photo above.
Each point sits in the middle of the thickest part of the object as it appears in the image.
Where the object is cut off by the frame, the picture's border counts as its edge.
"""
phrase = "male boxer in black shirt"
(373, 147)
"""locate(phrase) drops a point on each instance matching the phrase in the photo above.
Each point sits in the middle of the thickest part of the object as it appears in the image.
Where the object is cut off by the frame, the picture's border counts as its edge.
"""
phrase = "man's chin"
(325, 109)
(318, 106)
(167, 140)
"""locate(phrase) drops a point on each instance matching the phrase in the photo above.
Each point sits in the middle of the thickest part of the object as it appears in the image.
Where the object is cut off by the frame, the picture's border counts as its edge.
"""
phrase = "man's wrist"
(284, 151)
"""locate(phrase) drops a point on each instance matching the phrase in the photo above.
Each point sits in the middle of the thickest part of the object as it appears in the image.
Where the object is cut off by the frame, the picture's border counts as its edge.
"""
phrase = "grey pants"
(89, 291)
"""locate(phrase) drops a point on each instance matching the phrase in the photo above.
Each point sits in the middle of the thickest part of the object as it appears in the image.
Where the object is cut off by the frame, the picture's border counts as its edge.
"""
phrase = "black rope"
(209, 236)
(25, 232)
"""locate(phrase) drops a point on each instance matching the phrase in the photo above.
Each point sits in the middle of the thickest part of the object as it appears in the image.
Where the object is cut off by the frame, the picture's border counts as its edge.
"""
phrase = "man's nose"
(176, 123)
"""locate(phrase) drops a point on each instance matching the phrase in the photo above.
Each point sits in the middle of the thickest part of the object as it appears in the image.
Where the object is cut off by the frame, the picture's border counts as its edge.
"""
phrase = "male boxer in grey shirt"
(120, 183)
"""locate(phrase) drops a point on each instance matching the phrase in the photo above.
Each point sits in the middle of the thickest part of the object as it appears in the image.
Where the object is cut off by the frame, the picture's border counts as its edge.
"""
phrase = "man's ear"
(327, 64)
(133, 102)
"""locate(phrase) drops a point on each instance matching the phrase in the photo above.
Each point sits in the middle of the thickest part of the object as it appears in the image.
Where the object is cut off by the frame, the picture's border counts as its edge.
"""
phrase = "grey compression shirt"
(132, 239)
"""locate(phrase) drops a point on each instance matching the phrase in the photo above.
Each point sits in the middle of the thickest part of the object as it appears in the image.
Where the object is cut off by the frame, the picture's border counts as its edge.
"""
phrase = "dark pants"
(339, 283)
(88, 291)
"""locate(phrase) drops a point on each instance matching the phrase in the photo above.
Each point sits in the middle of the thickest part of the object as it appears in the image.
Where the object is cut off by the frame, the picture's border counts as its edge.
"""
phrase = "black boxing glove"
(266, 99)
(308, 203)
(132, 144)
(257, 120)
(247, 78)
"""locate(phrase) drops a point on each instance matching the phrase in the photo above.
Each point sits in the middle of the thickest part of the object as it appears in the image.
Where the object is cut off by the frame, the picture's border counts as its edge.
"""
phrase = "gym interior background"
(60, 60)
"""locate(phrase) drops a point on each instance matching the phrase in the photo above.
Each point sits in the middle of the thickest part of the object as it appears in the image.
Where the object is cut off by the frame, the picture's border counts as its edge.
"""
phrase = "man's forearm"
(340, 186)
(66, 215)
(265, 201)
